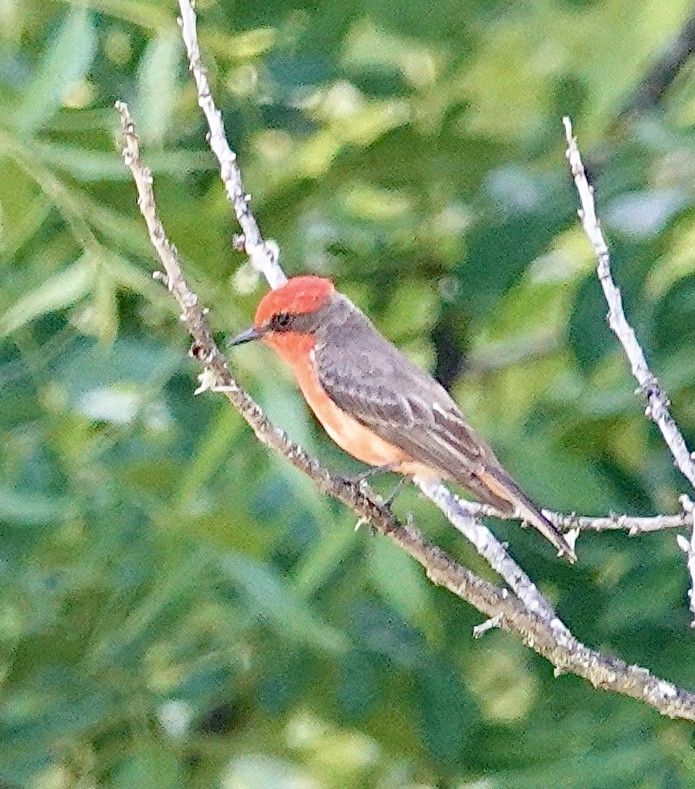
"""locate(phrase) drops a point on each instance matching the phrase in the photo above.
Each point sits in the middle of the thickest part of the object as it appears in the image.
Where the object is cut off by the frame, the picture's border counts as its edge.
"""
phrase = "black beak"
(246, 336)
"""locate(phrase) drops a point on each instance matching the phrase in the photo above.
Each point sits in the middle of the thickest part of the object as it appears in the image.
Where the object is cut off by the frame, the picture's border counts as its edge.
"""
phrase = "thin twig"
(489, 624)
(488, 546)
(549, 638)
(262, 254)
(688, 547)
(634, 525)
(657, 400)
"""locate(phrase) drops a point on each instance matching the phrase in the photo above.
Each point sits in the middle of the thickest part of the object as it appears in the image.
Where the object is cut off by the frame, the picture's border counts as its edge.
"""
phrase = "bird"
(376, 404)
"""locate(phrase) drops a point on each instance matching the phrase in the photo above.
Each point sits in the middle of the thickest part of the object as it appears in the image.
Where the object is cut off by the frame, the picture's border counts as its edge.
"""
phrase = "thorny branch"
(525, 612)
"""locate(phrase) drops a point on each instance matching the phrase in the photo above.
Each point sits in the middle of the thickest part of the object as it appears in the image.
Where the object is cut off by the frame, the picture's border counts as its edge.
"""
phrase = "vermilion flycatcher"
(375, 404)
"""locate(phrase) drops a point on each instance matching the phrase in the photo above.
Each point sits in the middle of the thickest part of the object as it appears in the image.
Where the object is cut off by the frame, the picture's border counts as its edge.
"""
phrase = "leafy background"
(180, 609)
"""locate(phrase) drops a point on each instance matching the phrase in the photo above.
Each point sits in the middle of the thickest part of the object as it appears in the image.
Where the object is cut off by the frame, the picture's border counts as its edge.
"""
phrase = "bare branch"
(262, 254)
(548, 637)
(489, 547)
(657, 400)
(688, 547)
(632, 524)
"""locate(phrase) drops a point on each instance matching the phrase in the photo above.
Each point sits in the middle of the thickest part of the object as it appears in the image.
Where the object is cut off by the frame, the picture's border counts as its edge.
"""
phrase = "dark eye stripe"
(281, 322)
(301, 323)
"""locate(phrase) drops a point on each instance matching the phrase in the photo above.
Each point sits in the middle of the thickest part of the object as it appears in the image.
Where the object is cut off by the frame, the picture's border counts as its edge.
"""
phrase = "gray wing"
(367, 376)
(377, 384)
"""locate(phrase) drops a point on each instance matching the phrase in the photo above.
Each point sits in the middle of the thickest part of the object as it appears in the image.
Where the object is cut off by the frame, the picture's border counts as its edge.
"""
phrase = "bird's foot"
(358, 479)
(370, 472)
(388, 501)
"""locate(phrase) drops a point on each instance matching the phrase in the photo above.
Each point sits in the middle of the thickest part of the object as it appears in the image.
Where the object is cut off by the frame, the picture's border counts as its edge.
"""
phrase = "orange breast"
(349, 434)
(346, 431)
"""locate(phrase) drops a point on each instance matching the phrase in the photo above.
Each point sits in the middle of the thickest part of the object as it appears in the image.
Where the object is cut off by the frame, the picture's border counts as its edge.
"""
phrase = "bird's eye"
(281, 321)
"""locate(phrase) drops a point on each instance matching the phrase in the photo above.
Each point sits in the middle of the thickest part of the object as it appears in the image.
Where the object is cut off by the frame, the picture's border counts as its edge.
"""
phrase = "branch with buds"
(523, 611)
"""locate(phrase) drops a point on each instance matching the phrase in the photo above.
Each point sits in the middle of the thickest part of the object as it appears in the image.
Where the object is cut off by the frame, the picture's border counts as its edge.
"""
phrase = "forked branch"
(549, 637)
(522, 611)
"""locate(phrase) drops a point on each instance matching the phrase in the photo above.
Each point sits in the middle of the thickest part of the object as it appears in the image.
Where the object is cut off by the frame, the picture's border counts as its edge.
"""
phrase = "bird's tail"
(502, 489)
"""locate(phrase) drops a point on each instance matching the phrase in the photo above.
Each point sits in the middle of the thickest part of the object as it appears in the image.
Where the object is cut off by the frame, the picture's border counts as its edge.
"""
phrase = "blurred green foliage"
(180, 609)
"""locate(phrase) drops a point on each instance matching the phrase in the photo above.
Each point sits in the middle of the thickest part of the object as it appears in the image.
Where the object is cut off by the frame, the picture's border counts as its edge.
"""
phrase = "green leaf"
(325, 556)
(152, 766)
(361, 685)
(89, 165)
(616, 765)
(64, 64)
(128, 366)
(157, 86)
(674, 319)
(59, 291)
(277, 604)
(401, 582)
(447, 713)
(58, 702)
(503, 246)
(104, 313)
(589, 336)
(18, 230)
(32, 508)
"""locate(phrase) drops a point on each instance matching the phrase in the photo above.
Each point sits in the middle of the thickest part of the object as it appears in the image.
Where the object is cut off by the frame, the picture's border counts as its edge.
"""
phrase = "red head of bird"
(281, 319)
